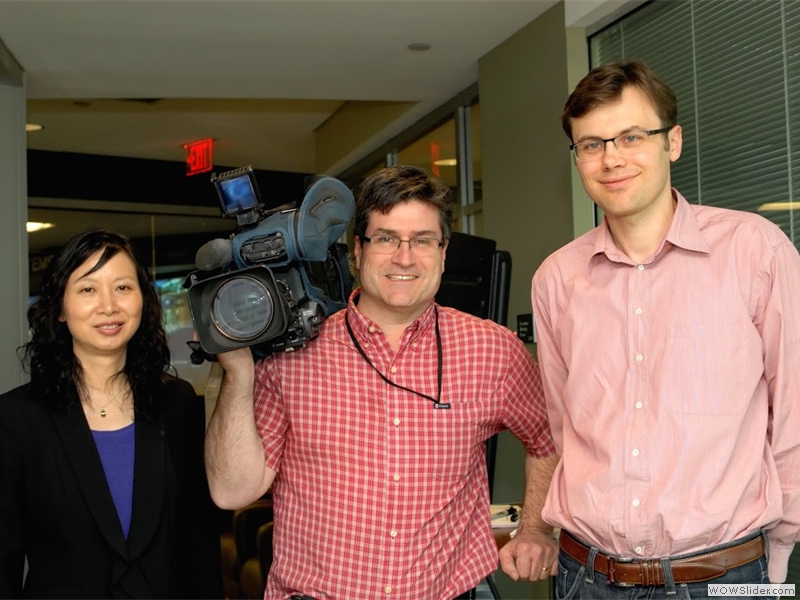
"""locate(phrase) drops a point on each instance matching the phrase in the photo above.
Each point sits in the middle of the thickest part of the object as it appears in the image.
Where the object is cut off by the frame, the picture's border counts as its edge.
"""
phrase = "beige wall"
(527, 187)
(577, 67)
(527, 180)
(351, 126)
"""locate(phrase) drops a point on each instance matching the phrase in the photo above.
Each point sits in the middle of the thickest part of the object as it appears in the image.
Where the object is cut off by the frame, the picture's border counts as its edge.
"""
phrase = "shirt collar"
(363, 327)
(683, 232)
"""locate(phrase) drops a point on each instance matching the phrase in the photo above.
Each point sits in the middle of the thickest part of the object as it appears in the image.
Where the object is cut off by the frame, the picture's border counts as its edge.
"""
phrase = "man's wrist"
(534, 528)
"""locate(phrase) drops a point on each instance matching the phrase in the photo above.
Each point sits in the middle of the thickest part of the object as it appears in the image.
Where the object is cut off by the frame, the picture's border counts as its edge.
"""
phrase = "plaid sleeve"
(270, 415)
(524, 410)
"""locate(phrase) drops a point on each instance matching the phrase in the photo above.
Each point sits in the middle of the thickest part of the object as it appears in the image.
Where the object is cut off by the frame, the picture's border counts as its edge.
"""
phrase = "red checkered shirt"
(378, 493)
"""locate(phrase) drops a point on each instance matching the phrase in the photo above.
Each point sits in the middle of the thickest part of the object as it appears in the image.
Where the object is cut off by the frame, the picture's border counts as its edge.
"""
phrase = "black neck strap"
(437, 402)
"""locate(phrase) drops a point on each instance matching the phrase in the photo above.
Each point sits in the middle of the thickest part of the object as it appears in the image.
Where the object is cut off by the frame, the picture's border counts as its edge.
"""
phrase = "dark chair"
(240, 545)
(253, 578)
(230, 565)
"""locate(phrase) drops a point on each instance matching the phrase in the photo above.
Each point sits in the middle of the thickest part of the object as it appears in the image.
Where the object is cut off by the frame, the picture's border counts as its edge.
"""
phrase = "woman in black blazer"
(102, 483)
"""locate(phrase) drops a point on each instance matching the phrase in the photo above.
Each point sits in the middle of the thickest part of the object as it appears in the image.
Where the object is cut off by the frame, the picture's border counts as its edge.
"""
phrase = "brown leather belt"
(701, 567)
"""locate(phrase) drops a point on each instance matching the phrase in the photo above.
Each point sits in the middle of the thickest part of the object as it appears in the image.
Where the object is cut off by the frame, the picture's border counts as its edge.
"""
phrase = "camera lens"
(242, 308)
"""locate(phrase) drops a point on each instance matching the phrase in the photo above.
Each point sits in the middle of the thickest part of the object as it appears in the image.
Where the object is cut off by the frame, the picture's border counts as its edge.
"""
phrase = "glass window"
(436, 153)
(474, 210)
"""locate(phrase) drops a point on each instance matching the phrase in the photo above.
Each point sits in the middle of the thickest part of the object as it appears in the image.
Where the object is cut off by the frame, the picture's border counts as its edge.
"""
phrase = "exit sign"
(198, 157)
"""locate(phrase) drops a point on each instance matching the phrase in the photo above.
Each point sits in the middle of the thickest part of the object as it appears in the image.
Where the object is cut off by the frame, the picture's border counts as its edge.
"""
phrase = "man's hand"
(237, 361)
(531, 555)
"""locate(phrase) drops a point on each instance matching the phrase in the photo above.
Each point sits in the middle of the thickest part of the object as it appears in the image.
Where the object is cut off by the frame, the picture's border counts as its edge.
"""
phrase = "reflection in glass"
(436, 153)
(180, 329)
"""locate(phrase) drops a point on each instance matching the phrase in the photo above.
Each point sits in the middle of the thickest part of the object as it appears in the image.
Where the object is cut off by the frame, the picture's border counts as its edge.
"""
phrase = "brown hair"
(606, 83)
(385, 189)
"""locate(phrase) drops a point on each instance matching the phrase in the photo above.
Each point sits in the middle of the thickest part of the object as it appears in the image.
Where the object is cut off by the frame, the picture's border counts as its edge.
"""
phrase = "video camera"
(271, 284)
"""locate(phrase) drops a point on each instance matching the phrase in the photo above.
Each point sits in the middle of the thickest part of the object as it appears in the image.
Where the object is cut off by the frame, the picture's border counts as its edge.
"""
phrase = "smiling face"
(102, 309)
(636, 185)
(397, 288)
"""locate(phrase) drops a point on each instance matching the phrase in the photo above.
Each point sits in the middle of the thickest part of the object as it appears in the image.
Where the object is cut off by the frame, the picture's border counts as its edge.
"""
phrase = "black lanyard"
(437, 402)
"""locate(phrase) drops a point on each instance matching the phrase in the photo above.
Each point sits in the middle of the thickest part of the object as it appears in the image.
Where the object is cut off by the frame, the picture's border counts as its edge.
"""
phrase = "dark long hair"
(54, 369)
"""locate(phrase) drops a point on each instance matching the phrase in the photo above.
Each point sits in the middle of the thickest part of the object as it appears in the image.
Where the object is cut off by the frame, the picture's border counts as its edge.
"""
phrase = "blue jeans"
(575, 581)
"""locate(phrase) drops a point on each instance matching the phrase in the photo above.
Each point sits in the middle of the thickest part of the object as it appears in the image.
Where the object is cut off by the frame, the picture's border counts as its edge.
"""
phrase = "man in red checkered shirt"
(372, 438)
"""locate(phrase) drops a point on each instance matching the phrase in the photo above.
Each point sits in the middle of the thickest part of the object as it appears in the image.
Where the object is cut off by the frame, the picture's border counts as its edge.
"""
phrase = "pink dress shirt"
(378, 493)
(673, 387)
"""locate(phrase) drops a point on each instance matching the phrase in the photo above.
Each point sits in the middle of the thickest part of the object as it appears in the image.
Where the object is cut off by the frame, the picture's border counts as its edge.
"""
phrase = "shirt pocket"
(711, 369)
(459, 433)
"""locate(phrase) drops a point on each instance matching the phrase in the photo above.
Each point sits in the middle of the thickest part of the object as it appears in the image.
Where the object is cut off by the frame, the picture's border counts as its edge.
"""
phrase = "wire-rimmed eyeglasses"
(389, 244)
(628, 142)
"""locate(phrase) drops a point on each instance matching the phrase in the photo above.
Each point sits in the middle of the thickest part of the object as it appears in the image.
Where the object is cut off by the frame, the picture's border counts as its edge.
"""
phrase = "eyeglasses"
(389, 244)
(625, 143)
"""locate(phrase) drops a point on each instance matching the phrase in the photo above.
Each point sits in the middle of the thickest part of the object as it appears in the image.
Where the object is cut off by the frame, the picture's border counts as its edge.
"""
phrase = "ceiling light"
(33, 127)
(32, 226)
(419, 47)
(446, 162)
(779, 206)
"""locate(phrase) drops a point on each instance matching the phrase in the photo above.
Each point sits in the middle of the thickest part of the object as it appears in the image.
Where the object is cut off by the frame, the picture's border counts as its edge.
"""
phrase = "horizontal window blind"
(735, 68)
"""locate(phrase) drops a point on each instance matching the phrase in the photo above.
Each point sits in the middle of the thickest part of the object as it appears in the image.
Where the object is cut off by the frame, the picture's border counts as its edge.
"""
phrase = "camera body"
(270, 286)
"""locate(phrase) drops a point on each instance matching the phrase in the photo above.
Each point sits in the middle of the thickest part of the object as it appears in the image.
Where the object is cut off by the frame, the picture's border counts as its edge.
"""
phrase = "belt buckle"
(611, 579)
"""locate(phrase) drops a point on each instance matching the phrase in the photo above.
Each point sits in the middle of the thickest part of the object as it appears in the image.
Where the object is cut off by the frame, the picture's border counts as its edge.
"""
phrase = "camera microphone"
(214, 254)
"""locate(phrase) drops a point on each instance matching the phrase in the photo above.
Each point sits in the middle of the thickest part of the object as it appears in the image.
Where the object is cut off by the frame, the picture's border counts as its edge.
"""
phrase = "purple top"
(117, 449)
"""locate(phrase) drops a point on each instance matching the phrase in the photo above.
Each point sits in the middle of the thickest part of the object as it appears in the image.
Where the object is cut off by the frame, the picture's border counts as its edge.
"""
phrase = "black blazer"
(56, 507)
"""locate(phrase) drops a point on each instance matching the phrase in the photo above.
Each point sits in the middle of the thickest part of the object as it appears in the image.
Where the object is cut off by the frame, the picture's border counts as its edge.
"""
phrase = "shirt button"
(639, 357)
(638, 405)
(640, 267)
(414, 345)
(396, 477)
(371, 329)
(388, 589)
(396, 422)
(393, 369)
(638, 549)
(393, 533)
(635, 452)
(638, 311)
(635, 503)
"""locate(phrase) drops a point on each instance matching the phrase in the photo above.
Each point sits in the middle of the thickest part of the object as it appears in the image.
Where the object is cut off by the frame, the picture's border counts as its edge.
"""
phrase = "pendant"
(103, 412)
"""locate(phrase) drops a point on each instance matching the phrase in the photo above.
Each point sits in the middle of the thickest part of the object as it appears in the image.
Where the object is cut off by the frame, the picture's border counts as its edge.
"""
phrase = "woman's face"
(103, 309)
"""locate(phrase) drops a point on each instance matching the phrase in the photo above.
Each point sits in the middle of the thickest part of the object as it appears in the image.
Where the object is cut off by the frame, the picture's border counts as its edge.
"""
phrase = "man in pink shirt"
(669, 342)
(372, 438)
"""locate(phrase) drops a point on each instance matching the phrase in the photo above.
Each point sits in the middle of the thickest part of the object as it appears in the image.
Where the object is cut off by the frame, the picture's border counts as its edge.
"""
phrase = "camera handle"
(198, 354)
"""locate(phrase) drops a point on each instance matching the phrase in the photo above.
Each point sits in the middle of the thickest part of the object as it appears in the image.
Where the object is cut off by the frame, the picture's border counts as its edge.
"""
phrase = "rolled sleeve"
(271, 419)
(526, 414)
